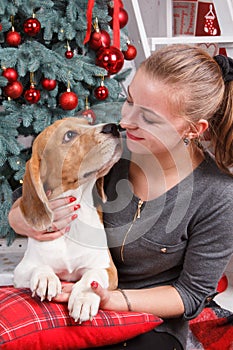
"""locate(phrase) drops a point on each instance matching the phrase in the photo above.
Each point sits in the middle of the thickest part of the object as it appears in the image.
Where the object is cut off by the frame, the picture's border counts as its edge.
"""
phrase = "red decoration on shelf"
(13, 38)
(68, 100)
(48, 84)
(32, 95)
(32, 26)
(10, 74)
(99, 39)
(14, 89)
(130, 53)
(110, 58)
(69, 54)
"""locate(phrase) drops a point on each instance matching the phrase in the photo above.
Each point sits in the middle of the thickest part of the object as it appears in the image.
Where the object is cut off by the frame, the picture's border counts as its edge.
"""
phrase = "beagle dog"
(68, 158)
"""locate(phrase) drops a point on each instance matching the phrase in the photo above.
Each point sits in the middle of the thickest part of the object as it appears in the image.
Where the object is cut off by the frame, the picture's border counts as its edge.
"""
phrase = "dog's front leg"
(83, 303)
(45, 283)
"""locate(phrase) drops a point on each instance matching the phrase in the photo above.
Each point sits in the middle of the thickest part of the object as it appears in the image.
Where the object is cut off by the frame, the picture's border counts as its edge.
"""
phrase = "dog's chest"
(83, 247)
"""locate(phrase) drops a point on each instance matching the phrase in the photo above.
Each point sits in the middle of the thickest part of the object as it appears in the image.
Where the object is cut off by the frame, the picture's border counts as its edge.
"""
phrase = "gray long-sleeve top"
(183, 238)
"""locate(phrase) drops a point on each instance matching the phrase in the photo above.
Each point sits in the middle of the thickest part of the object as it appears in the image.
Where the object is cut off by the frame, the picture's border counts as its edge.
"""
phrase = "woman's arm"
(63, 215)
(162, 301)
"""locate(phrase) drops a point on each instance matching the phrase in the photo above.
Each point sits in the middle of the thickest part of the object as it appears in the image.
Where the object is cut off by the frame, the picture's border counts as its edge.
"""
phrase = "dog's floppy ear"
(34, 203)
(100, 189)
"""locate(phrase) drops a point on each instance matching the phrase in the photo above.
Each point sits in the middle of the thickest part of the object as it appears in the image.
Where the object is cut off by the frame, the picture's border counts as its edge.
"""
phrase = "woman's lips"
(132, 137)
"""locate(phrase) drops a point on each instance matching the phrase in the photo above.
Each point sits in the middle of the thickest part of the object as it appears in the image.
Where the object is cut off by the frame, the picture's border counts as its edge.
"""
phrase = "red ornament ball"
(68, 100)
(89, 115)
(13, 38)
(14, 89)
(32, 95)
(99, 39)
(69, 54)
(101, 93)
(123, 18)
(0, 27)
(10, 74)
(95, 41)
(130, 53)
(110, 58)
(31, 26)
(48, 84)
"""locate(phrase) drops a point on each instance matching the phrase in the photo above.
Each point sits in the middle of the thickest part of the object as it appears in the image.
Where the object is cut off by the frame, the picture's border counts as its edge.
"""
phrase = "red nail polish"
(73, 217)
(94, 285)
(72, 199)
(77, 206)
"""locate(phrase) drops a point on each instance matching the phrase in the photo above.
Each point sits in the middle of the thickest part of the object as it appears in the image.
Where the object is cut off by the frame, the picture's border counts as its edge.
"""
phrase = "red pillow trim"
(26, 321)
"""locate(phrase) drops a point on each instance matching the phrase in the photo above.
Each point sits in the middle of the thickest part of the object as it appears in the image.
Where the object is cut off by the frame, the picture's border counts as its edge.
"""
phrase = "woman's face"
(151, 125)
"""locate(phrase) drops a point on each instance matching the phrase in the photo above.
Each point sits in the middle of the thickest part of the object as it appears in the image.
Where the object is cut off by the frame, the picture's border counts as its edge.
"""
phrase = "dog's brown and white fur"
(67, 159)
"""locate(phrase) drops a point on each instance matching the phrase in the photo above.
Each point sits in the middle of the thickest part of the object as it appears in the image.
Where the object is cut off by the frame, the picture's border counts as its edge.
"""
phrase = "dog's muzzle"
(111, 128)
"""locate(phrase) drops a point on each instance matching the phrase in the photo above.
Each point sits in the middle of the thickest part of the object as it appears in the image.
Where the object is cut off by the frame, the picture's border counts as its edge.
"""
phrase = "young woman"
(169, 211)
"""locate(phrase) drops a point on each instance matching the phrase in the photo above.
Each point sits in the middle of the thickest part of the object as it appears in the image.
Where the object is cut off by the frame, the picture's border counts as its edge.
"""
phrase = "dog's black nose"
(110, 129)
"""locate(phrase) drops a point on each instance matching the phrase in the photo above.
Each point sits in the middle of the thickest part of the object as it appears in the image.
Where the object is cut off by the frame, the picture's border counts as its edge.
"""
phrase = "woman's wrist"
(117, 301)
(127, 301)
(18, 222)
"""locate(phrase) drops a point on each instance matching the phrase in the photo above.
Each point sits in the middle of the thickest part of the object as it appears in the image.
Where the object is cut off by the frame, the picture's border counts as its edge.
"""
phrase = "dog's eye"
(69, 136)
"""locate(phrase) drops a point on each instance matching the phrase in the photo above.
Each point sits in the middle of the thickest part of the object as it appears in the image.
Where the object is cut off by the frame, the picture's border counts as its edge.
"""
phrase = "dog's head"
(65, 155)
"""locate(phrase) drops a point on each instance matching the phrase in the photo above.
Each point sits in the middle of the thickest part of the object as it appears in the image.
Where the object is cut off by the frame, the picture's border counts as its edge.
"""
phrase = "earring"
(186, 141)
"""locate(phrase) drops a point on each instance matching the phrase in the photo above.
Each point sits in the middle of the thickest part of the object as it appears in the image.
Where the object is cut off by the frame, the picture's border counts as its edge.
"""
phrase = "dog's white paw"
(45, 284)
(83, 303)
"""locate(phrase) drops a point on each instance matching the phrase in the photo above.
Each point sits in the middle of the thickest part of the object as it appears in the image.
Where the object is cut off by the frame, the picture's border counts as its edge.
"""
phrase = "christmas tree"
(58, 58)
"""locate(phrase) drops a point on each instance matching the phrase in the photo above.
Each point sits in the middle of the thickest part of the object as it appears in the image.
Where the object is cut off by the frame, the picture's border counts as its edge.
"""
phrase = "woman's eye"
(69, 136)
(148, 121)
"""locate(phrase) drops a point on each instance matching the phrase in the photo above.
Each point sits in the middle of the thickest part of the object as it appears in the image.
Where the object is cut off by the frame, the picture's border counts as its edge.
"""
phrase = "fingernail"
(67, 229)
(94, 285)
(73, 217)
(77, 206)
(72, 199)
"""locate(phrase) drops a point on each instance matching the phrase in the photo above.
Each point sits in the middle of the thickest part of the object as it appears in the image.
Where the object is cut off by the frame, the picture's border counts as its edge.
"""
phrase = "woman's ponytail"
(221, 131)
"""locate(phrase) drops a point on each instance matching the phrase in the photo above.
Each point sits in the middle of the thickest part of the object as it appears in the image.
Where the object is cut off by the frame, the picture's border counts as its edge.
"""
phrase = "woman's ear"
(197, 129)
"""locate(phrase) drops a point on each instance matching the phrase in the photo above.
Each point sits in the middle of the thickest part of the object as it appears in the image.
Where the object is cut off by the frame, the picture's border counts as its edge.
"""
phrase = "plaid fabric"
(213, 329)
(28, 323)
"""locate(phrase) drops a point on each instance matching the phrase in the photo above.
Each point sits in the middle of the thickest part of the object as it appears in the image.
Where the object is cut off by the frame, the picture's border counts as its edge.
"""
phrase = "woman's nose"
(129, 116)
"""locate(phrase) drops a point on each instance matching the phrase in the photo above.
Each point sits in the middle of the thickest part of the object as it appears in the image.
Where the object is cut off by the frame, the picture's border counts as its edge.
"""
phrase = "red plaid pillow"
(27, 323)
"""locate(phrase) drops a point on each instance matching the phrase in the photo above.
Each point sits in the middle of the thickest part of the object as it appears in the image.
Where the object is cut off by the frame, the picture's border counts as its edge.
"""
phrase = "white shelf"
(222, 41)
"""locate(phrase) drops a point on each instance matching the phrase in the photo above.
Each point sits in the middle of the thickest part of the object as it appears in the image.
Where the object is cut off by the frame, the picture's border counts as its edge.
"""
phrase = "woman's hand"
(109, 299)
(65, 211)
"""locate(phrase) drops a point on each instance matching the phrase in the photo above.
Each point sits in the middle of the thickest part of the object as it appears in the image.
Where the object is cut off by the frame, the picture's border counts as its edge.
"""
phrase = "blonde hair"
(196, 90)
